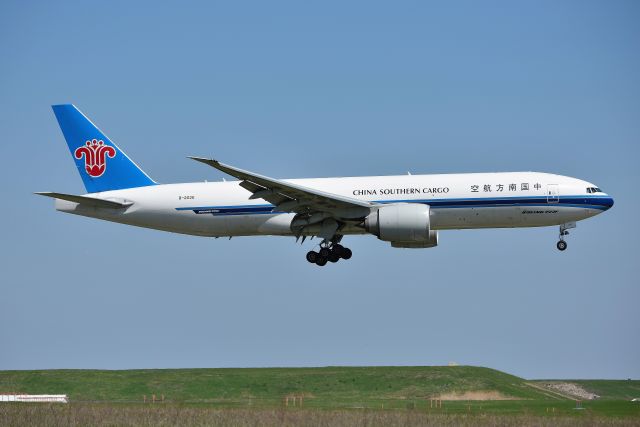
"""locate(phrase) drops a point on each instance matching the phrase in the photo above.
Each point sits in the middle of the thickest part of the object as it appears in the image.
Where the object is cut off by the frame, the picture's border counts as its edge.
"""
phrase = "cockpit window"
(593, 190)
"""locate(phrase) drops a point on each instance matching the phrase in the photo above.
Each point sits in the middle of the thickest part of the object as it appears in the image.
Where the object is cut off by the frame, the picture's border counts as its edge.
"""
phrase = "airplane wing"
(289, 197)
(85, 200)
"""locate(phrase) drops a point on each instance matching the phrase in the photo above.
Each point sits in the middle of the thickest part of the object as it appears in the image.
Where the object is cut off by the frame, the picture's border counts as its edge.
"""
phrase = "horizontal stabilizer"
(87, 201)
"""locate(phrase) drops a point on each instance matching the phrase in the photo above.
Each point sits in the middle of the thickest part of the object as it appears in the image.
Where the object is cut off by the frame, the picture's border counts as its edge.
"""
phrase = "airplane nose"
(608, 202)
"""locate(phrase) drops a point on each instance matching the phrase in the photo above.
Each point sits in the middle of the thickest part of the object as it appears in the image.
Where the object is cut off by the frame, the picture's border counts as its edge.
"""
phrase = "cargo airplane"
(407, 210)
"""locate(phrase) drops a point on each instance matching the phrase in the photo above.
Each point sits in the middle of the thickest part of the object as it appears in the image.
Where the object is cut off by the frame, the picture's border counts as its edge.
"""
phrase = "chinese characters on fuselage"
(500, 188)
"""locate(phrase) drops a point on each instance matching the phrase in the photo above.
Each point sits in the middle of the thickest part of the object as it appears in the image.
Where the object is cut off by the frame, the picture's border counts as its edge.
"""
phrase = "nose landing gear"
(562, 245)
(330, 251)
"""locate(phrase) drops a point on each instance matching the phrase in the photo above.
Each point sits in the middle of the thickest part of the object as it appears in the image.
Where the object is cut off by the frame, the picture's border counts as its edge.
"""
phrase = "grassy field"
(91, 414)
(331, 396)
(329, 386)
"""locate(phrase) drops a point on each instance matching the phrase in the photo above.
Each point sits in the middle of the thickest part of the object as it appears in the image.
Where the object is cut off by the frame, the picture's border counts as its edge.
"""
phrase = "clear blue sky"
(292, 89)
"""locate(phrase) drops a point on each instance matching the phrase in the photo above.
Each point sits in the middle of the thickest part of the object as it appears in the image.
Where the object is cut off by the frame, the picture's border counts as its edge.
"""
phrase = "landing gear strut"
(562, 245)
(330, 251)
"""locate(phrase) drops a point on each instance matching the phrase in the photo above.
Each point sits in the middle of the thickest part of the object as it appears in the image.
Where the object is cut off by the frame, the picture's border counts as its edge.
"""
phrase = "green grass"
(337, 384)
(328, 388)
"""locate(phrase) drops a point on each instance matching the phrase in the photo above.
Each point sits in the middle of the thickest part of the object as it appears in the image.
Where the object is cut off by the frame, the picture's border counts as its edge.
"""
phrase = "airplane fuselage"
(457, 201)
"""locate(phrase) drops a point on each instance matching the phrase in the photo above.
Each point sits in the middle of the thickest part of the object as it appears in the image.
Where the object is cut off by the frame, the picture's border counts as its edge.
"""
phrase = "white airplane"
(406, 211)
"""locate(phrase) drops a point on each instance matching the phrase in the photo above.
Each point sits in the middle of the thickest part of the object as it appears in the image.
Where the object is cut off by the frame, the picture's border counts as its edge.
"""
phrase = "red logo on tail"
(95, 156)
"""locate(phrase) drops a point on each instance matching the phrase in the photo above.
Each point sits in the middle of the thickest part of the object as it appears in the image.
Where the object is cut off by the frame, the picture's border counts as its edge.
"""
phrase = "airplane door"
(553, 193)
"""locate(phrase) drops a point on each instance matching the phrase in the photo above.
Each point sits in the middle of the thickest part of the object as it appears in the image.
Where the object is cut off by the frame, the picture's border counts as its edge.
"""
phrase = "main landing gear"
(562, 245)
(329, 252)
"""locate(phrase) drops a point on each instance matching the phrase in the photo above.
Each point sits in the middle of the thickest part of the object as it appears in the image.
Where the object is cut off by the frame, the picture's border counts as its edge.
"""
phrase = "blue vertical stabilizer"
(102, 165)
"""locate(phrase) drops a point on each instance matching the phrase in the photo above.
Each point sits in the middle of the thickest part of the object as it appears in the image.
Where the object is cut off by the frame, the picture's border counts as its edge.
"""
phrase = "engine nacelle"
(405, 225)
(432, 242)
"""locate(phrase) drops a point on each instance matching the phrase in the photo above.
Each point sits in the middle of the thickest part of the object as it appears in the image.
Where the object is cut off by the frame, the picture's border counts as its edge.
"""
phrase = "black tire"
(321, 261)
(324, 252)
(337, 249)
(561, 245)
(312, 256)
(346, 253)
(334, 257)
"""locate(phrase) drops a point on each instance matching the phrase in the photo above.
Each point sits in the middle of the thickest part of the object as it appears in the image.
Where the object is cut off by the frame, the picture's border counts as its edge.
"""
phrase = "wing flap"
(260, 192)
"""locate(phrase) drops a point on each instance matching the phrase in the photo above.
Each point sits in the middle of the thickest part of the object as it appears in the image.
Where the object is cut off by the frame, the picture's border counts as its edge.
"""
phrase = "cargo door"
(553, 193)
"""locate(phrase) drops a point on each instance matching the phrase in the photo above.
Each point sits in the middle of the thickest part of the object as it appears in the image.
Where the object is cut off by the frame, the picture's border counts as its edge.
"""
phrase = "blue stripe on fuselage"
(598, 202)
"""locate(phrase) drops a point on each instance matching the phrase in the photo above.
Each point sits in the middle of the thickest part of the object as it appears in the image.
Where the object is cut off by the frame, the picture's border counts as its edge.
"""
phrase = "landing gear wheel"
(562, 245)
(334, 257)
(312, 256)
(329, 250)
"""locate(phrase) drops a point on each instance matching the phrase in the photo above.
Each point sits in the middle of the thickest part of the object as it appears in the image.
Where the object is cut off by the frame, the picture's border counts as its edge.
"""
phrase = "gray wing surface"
(311, 205)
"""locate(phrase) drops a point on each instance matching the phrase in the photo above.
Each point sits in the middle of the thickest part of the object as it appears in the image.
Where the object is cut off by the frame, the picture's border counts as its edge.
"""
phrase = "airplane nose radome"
(608, 202)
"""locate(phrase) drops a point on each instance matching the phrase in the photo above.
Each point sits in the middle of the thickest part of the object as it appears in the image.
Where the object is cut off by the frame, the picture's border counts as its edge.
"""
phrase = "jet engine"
(405, 225)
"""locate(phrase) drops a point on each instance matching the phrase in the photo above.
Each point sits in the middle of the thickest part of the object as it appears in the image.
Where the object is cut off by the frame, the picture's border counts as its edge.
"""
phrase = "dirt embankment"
(571, 389)
(476, 395)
